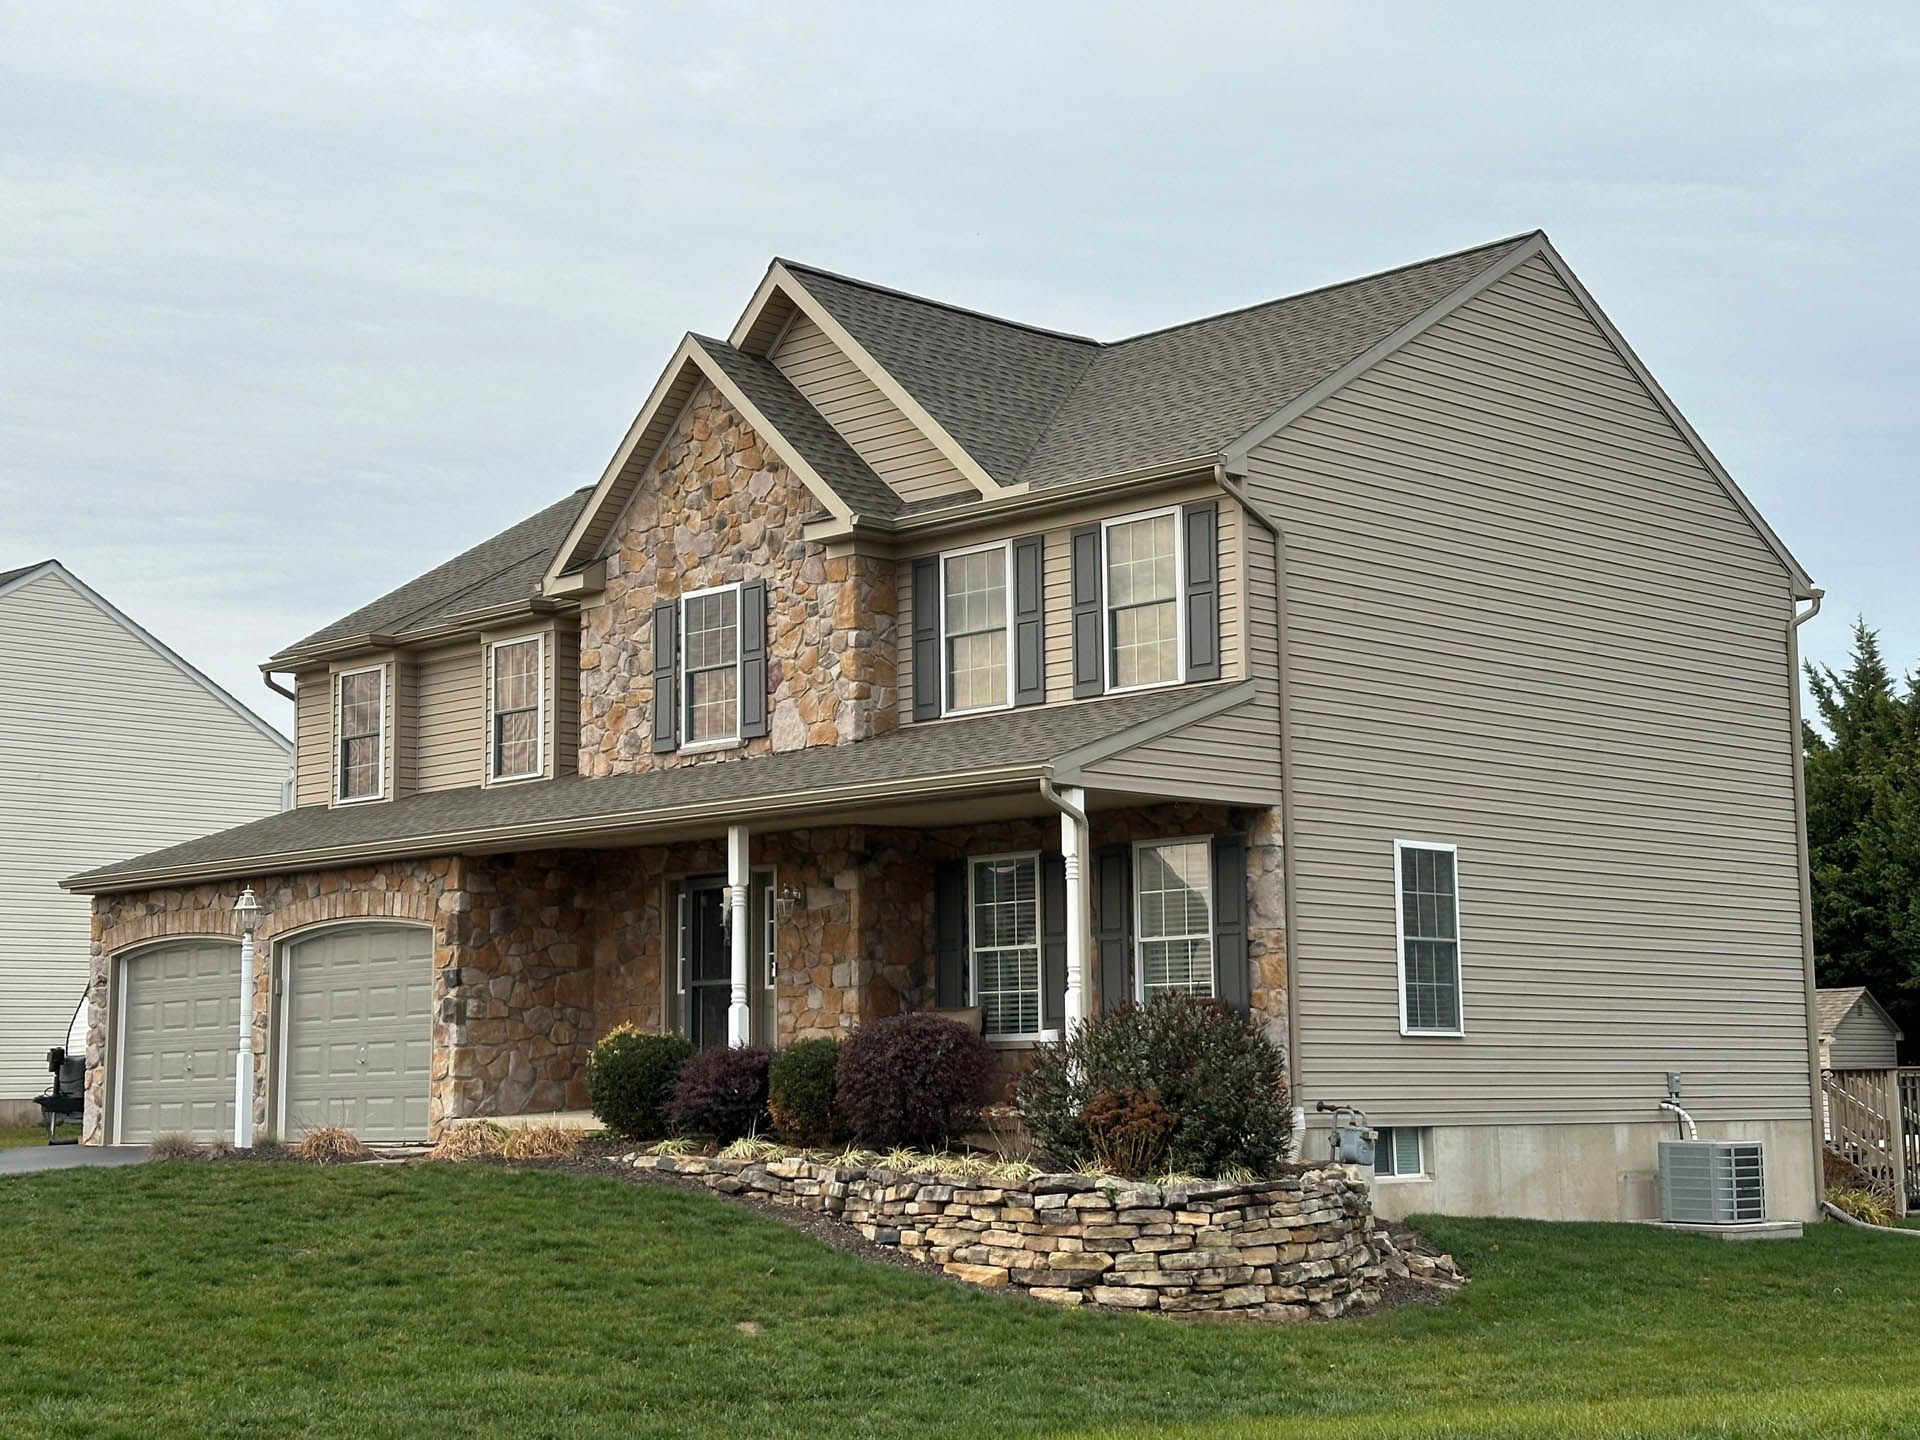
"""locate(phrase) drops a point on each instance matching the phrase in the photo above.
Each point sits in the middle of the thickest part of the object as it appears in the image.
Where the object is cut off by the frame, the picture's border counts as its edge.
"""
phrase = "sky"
(297, 301)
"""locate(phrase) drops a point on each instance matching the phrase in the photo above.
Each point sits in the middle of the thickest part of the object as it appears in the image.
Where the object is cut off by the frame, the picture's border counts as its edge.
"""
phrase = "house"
(1390, 661)
(1856, 1033)
(109, 743)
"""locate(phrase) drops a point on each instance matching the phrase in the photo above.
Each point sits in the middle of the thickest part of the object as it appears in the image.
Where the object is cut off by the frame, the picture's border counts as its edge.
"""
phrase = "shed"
(1856, 1033)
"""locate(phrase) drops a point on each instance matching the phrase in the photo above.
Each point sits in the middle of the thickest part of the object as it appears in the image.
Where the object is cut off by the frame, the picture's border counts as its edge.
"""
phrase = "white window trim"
(685, 697)
(940, 599)
(1400, 940)
(339, 759)
(1213, 911)
(1010, 1037)
(494, 777)
(1179, 602)
(1397, 1178)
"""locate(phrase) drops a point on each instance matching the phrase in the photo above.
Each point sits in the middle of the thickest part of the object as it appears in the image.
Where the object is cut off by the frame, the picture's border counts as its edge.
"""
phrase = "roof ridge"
(1323, 289)
(939, 304)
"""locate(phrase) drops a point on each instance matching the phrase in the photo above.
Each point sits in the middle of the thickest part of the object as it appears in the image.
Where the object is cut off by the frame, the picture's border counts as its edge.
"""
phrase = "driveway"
(32, 1159)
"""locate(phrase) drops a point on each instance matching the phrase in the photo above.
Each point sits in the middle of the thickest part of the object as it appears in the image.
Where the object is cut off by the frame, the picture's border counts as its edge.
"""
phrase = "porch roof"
(949, 759)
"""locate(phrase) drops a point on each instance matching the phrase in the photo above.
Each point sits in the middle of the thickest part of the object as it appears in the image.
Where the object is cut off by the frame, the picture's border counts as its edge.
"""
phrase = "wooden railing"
(1864, 1125)
(1907, 1088)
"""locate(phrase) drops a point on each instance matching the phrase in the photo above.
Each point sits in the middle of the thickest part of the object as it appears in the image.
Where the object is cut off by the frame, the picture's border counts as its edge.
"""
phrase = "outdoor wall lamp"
(785, 903)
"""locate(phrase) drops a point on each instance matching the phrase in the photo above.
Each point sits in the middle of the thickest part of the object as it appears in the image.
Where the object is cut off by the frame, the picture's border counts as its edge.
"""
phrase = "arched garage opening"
(177, 1018)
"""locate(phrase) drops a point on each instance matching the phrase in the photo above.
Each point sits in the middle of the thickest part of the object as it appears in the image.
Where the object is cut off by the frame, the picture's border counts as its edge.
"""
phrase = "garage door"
(179, 1011)
(359, 1039)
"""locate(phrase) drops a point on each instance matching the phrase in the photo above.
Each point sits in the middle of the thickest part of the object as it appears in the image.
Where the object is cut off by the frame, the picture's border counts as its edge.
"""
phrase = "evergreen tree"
(1863, 829)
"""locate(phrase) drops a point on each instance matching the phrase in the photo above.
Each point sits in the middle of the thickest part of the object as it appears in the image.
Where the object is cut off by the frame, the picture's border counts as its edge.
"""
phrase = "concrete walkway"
(32, 1159)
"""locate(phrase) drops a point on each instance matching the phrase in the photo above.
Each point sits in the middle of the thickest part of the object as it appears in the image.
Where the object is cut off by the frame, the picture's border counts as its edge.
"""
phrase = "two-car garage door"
(353, 1043)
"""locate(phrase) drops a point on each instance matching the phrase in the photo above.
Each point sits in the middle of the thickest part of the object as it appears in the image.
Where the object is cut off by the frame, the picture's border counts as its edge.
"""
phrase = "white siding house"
(109, 742)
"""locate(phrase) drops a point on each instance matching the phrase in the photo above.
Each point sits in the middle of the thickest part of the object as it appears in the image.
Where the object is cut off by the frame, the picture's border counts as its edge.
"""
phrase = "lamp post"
(246, 912)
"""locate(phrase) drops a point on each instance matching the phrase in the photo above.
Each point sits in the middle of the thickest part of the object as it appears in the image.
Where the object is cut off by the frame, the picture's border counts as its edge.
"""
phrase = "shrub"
(1128, 1133)
(469, 1140)
(630, 1079)
(542, 1142)
(330, 1145)
(722, 1093)
(800, 1092)
(1220, 1080)
(914, 1080)
(1873, 1205)
(175, 1146)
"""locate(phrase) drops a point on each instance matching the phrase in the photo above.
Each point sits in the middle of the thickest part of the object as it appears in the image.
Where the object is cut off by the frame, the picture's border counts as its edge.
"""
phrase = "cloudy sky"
(296, 301)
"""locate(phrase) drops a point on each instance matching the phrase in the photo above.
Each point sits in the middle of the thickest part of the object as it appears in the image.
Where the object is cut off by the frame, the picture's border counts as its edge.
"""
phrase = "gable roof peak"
(801, 267)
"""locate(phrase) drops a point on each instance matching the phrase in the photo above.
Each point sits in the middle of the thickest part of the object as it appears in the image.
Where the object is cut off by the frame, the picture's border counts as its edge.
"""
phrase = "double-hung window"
(710, 665)
(1143, 586)
(976, 621)
(517, 699)
(1003, 893)
(361, 724)
(1173, 906)
(1427, 890)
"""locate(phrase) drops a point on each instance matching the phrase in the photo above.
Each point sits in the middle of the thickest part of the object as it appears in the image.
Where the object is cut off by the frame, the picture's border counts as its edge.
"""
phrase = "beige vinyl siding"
(1233, 756)
(109, 750)
(876, 428)
(1526, 620)
(451, 727)
(565, 708)
(1862, 1041)
(1057, 586)
(313, 737)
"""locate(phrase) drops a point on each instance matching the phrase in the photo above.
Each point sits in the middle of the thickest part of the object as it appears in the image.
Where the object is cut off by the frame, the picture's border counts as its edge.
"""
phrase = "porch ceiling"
(946, 772)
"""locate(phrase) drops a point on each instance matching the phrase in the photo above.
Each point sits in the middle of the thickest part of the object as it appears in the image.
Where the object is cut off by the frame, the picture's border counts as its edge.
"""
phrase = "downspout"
(1797, 751)
(1235, 486)
(275, 686)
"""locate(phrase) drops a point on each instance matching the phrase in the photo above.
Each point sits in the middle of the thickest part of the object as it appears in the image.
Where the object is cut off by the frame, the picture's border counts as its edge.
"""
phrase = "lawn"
(27, 1135)
(227, 1300)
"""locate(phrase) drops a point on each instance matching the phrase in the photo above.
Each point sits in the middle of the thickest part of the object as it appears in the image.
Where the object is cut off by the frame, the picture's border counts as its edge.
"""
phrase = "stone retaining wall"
(1290, 1248)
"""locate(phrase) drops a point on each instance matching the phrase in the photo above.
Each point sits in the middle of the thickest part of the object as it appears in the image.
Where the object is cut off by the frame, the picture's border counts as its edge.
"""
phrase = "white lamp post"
(246, 912)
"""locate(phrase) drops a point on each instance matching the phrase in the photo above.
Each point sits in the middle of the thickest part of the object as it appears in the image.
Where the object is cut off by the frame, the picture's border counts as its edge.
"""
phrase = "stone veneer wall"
(1301, 1245)
(721, 507)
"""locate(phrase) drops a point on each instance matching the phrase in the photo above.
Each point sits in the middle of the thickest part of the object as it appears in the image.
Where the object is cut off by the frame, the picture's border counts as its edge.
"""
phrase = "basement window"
(1400, 1153)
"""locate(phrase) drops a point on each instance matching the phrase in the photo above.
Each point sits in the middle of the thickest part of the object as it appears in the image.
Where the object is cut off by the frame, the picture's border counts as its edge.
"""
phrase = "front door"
(708, 962)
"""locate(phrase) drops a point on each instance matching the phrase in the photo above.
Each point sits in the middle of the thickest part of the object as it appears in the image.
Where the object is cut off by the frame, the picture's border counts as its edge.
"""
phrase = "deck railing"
(1907, 1088)
(1864, 1124)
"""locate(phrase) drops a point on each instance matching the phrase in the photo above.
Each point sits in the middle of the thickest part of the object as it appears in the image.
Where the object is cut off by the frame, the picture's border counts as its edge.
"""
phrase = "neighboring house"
(1855, 1032)
(109, 742)
(1390, 661)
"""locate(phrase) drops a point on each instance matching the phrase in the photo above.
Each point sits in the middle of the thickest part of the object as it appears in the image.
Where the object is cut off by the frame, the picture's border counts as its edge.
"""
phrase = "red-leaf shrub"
(722, 1093)
(913, 1080)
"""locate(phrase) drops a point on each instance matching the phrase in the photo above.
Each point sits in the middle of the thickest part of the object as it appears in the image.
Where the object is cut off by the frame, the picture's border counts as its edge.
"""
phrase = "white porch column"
(739, 1018)
(1074, 844)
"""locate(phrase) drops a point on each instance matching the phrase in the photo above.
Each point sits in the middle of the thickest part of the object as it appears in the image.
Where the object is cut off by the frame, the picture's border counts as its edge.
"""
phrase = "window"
(1143, 585)
(975, 619)
(1427, 889)
(361, 725)
(518, 686)
(1173, 903)
(1004, 896)
(1399, 1152)
(772, 937)
(710, 665)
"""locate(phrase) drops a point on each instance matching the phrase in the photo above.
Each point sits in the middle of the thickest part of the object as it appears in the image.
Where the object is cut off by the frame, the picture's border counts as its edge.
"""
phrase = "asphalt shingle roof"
(804, 428)
(1831, 1006)
(432, 823)
(508, 567)
(6, 575)
(1040, 408)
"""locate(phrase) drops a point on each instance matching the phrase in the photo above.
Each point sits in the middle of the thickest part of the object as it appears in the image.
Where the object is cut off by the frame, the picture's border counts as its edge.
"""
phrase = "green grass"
(28, 1135)
(227, 1300)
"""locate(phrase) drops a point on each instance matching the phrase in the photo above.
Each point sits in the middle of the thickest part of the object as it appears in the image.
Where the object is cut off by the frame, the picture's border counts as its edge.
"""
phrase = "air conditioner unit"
(1713, 1182)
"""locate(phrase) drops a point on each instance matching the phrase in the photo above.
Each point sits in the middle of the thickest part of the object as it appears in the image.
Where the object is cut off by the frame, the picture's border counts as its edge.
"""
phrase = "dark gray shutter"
(753, 660)
(1089, 664)
(1200, 529)
(950, 934)
(926, 639)
(666, 674)
(1232, 976)
(1029, 633)
(1053, 942)
(1113, 923)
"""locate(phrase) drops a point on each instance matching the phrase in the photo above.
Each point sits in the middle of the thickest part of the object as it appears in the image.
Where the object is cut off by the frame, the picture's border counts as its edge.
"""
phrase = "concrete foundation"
(1582, 1172)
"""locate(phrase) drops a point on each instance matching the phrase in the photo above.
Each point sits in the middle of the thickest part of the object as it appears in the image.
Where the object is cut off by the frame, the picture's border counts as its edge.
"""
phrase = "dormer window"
(974, 585)
(710, 665)
(518, 697)
(361, 724)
